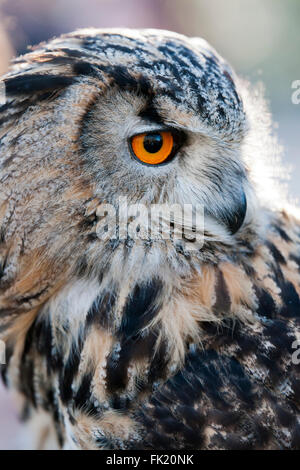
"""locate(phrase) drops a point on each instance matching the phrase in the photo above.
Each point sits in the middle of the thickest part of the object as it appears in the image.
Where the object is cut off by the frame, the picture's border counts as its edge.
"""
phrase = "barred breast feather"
(144, 344)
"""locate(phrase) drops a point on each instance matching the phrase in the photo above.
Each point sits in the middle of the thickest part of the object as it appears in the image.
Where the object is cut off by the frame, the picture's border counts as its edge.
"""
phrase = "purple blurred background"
(259, 37)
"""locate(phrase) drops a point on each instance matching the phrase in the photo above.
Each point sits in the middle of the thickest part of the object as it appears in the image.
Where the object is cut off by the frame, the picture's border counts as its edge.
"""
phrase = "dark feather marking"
(69, 371)
(277, 333)
(291, 301)
(32, 83)
(5, 367)
(103, 46)
(92, 237)
(2, 237)
(20, 108)
(27, 380)
(151, 114)
(120, 403)
(44, 338)
(43, 335)
(282, 233)
(233, 442)
(28, 342)
(223, 302)
(8, 161)
(224, 418)
(234, 219)
(3, 261)
(124, 80)
(296, 259)
(266, 304)
(274, 372)
(85, 68)
(285, 417)
(295, 385)
(135, 347)
(289, 295)
(191, 416)
(82, 399)
(29, 298)
(278, 257)
(75, 53)
(158, 366)
(140, 308)
(296, 438)
(242, 383)
(101, 312)
(81, 267)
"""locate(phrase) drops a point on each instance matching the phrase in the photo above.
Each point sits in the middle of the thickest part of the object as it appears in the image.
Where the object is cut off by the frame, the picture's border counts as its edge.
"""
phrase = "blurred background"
(261, 39)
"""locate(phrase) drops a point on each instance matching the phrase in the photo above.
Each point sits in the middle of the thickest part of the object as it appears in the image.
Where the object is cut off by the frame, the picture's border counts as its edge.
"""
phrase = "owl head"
(151, 117)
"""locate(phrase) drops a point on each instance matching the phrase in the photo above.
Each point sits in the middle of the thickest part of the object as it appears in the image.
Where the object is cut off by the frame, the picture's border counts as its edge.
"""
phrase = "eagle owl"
(145, 342)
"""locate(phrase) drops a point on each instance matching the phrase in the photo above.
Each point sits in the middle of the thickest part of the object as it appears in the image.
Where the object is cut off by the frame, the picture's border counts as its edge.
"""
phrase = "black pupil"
(153, 142)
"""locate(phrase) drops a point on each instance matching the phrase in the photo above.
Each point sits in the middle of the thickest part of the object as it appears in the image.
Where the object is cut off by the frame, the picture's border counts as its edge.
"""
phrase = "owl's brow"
(150, 114)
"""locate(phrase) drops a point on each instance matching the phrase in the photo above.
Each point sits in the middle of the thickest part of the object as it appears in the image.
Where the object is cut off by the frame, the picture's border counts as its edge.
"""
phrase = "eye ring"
(153, 148)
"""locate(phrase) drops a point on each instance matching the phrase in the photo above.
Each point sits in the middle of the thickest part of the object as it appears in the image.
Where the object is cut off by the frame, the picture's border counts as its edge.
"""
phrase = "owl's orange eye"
(153, 148)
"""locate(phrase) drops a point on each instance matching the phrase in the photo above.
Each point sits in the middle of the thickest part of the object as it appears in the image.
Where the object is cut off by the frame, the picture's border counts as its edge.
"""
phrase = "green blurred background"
(261, 39)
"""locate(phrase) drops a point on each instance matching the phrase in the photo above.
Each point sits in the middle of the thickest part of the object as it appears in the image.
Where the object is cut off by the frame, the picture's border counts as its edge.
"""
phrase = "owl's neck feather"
(106, 345)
